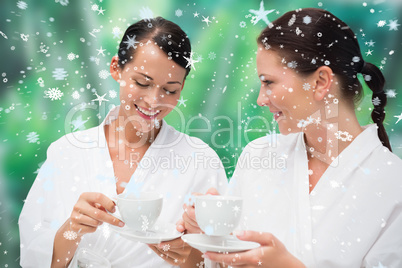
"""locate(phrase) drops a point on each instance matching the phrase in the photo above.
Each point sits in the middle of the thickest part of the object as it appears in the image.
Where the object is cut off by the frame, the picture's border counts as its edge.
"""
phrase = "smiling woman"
(73, 194)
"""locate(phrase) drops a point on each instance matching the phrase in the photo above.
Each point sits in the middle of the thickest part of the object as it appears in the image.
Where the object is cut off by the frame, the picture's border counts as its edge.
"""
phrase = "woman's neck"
(328, 139)
(123, 132)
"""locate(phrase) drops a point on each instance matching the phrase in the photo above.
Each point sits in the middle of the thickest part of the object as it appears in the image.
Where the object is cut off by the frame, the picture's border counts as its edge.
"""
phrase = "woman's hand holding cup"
(188, 222)
(90, 211)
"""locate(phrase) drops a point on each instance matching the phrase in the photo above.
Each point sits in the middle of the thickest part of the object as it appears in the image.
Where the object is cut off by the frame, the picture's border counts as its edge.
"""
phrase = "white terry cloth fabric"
(175, 165)
(352, 218)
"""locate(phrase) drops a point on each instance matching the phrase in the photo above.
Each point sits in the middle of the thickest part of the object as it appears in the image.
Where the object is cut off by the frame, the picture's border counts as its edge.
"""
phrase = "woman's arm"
(89, 212)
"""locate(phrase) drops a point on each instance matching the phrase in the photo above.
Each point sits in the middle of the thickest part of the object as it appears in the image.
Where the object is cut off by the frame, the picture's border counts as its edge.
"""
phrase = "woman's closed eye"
(267, 82)
(170, 92)
(141, 85)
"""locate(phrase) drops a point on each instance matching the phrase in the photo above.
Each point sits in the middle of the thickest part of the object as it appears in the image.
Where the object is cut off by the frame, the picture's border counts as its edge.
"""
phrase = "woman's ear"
(322, 81)
(115, 68)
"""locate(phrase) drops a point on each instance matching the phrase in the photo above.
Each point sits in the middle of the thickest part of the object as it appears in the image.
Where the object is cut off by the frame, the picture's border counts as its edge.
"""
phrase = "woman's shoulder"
(83, 139)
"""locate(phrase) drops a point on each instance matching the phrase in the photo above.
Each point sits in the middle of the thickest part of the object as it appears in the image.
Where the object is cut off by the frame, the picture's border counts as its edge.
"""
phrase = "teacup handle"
(117, 212)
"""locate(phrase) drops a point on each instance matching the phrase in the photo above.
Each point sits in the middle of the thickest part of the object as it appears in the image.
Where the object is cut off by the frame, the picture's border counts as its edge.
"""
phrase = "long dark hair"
(166, 34)
(313, 37)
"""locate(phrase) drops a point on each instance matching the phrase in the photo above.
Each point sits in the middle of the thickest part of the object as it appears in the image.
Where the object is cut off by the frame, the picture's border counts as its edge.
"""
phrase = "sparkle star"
(399, 118)
(261, 14)
(190, 60)
(371, 43)
(100, 98)
(196, 14)
(100, 11)
(391, 93)
(393, 25)
(78, 123)
(206, 20)
(369, 52)
(182, 101)
(100, 51)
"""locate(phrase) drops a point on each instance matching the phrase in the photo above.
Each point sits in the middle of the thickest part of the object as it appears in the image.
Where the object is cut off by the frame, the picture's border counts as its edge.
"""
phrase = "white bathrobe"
(175, 165)
(352, 218)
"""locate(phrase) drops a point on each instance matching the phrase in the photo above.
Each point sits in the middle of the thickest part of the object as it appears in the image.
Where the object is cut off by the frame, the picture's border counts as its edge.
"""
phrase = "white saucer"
(160, 232)
(227, 243)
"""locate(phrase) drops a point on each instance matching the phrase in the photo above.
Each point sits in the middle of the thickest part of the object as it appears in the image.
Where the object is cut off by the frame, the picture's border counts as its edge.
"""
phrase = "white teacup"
(140, 212)
(218, 215)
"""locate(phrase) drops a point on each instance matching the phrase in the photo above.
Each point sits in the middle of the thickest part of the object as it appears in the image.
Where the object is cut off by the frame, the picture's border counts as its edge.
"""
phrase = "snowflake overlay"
(54, 94)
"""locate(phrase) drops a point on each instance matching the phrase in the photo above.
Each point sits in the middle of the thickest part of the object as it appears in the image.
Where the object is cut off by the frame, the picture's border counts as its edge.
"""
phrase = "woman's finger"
(97, 214)
(79, 218)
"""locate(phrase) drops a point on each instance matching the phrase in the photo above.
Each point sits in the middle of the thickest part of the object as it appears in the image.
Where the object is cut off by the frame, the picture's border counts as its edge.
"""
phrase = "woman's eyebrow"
(146, 76)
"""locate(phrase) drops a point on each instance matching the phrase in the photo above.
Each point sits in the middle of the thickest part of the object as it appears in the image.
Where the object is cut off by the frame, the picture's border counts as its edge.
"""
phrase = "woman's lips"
(277, 115)
(146, 113)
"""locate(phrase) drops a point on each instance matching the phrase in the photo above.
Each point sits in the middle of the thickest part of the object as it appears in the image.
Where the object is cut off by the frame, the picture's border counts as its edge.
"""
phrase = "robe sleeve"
(387, 250)
(44, 212)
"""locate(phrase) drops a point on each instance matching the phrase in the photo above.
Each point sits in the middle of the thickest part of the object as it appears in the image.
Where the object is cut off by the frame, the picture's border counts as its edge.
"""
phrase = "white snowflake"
(59, 74)
(307, 20)
(24, 37)
(376, 101)
(146, 13)
(131, 42)
(22, 5)
(292, 20)
(306, 86)
(112, 94)
(166, 247)
(76, 95)
(393, 25)
(94, 7)
(32, 137)
(104, 74)
(391, 93)
(178, 12)
(106, 230)
(356, 59)
(242, 24)
(37, 226)
(70, 235)
(116, 32)
(190, 61)
(303, 123)
(212, 55)
(381, 23)
(54, 94)
(343, 135)
(62, 2)
(145, 223)
(292, 64)
(71, 56)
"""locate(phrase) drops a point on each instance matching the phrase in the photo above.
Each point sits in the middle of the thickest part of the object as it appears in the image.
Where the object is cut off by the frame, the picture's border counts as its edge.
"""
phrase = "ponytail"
(375, 81)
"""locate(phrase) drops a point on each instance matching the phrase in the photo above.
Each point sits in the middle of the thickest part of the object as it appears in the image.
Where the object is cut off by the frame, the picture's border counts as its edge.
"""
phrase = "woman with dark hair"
(338, 201)
(133, 150)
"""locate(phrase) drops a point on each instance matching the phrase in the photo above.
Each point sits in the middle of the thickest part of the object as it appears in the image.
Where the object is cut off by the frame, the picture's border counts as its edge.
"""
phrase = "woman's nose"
(263, 98)
(152, 97)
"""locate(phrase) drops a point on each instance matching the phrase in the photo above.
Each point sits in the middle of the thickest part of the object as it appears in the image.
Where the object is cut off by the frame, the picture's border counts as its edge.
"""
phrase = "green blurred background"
(67, 45)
